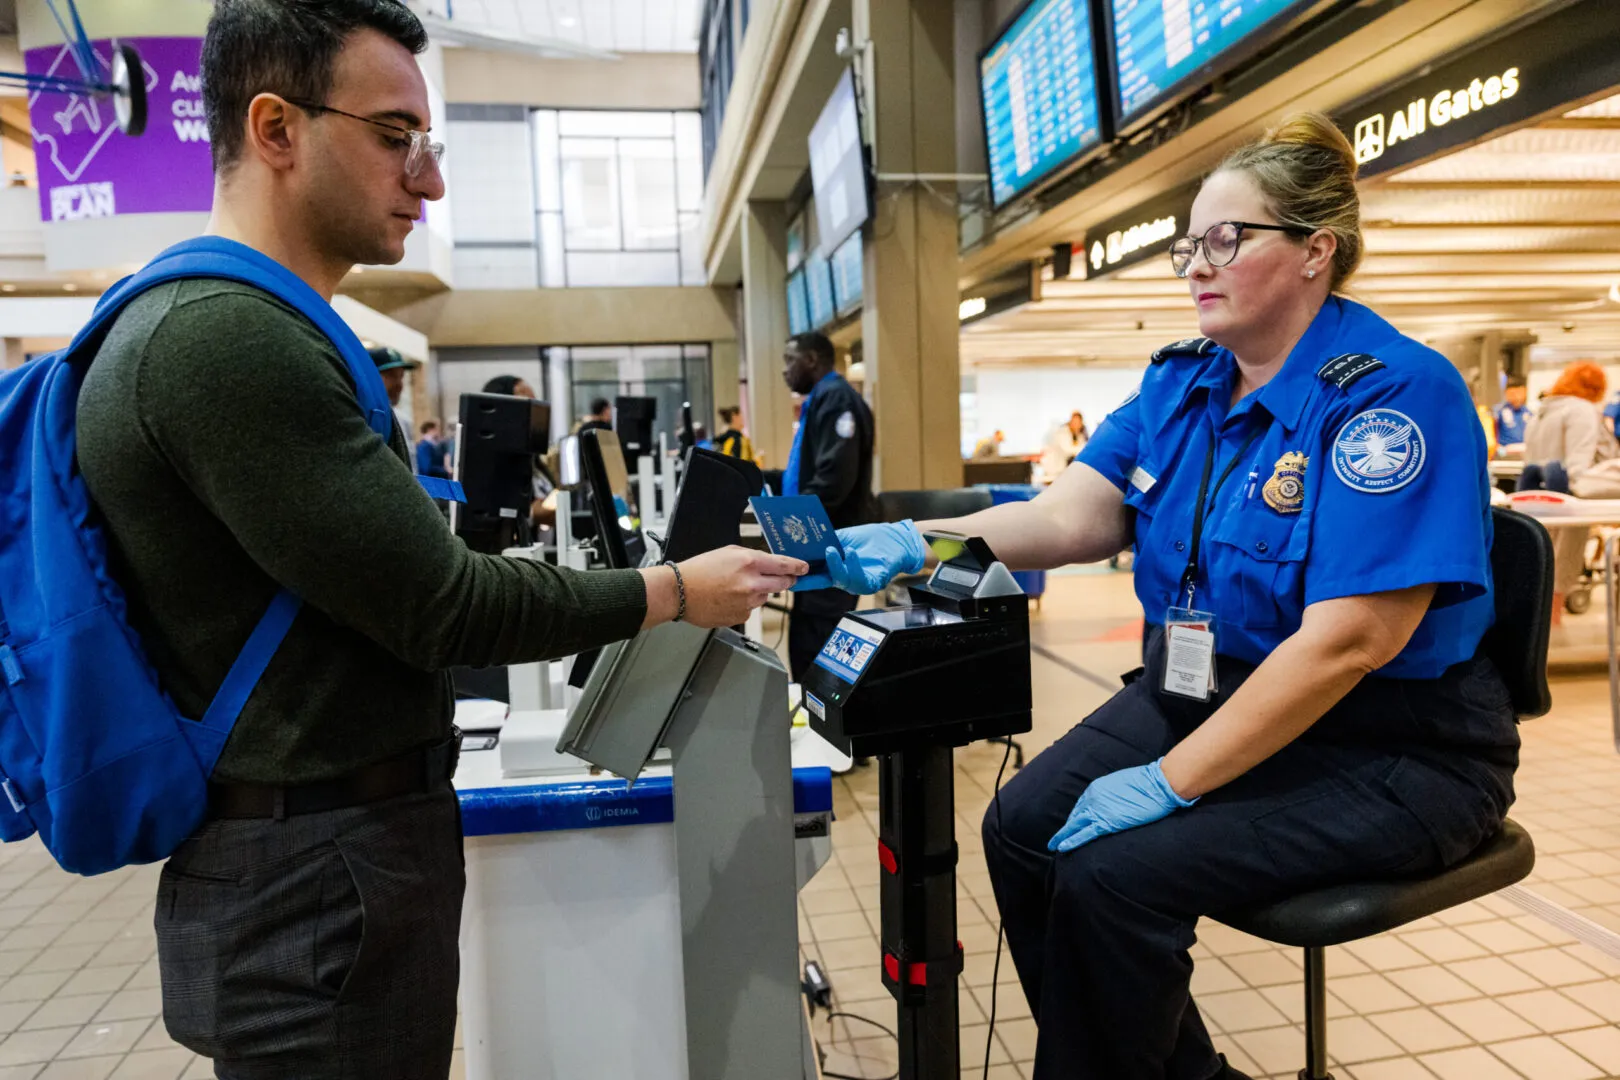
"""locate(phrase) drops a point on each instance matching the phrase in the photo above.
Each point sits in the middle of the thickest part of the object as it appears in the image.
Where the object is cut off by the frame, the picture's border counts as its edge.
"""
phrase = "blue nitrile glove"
(874, 555)
(1116, 802)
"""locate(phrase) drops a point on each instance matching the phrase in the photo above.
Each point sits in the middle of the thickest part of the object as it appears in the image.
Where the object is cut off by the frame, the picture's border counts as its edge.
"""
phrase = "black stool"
(1521, 563)
(932, 505)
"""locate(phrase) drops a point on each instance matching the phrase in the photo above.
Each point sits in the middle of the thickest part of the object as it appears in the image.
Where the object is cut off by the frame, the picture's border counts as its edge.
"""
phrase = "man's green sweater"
(223, 444)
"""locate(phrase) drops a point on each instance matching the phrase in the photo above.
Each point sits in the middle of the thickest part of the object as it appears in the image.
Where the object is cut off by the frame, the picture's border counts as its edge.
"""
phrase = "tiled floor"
(1479, 993)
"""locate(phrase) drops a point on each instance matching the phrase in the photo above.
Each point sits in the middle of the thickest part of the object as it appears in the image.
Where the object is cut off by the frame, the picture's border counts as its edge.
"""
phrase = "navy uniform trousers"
(1400, 778)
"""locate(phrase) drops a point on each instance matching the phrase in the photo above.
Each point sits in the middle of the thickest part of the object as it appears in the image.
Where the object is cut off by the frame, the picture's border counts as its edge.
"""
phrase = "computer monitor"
(633, 421)
(500, 437)
(601, 465)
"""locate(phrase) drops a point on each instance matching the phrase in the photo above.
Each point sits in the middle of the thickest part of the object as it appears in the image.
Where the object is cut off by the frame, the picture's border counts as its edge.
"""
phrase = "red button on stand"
(891, 966)
(886, 858)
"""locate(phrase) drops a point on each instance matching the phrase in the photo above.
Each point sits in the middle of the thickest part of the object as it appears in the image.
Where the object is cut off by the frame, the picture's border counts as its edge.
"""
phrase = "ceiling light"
(567, 22)
(8, 287)
(70, 287)
(1614, 292)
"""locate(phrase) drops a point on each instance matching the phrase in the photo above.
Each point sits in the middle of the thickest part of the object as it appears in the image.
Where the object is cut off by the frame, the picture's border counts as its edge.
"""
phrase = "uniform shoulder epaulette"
(1342, 371)
(1196, 346)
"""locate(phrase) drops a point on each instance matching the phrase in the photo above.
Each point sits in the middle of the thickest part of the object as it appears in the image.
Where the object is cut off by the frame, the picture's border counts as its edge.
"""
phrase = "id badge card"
(1189, 646)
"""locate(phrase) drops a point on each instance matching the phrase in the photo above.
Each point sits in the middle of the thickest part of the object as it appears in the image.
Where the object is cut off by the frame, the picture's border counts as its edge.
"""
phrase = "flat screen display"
(838, 166)
(1160, 46)
(1038, 87)
(818, 289)
(846, 274)
(798, 304)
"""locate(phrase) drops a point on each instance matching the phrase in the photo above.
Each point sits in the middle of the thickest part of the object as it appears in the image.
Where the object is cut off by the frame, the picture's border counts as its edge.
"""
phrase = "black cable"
(851, 1016)
(995, 974)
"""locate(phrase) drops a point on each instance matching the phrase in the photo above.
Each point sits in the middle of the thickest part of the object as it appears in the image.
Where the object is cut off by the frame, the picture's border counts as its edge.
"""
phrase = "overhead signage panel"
(1141, 233)
(1038, 87)
(1520, 75)
(1159, 48)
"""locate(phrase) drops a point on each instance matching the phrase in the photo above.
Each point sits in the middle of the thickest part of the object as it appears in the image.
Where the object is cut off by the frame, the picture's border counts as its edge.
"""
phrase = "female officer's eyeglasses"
(1220, 243)
(416, 144)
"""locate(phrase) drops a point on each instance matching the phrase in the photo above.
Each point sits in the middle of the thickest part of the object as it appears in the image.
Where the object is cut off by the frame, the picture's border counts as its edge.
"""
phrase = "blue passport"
(796, 525)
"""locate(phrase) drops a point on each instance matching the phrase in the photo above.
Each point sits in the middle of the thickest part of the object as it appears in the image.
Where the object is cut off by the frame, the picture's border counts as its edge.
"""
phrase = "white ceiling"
(1519, 232)
(610, 25)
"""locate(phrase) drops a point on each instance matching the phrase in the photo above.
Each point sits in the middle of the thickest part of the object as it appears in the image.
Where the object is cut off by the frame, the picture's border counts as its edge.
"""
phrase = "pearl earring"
(1310, 273)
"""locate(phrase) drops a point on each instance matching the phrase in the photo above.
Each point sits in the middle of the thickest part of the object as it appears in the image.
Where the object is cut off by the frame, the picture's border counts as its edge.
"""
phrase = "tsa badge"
(1378, 451)
(1285, 491)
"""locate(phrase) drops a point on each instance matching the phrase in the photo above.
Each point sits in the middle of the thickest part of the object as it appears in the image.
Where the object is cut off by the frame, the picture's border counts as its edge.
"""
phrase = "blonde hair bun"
(1306, 170)
(1314, 129)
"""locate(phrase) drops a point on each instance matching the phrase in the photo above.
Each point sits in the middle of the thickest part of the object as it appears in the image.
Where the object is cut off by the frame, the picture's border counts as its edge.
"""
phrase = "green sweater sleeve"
(266, 429)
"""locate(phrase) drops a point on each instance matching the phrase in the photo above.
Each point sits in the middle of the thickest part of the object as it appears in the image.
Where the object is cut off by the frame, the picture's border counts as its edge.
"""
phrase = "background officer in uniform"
(1513, 414)
(1310, 485)
(831, 457)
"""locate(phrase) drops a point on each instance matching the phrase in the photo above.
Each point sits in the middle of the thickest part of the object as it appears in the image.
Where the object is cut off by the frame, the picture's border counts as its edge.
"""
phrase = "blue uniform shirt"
(1361, 478)
(1510, 423)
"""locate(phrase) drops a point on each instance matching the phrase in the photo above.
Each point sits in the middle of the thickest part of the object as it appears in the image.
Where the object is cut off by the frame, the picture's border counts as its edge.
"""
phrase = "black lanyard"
(1189, 577)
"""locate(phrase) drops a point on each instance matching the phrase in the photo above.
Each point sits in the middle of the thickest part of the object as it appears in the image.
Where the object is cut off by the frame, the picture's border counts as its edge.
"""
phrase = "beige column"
(11, 353)
(909, 326)
(765, 330)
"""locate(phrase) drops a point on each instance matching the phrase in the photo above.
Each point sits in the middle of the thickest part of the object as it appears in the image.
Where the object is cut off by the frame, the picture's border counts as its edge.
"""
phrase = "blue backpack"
(94, 756)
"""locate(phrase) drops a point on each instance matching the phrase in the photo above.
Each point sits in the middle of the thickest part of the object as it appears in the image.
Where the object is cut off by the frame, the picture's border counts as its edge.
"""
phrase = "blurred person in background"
(732, 441)
(1065, 444)
(512, 386)
(600, 418)
(1512, 415)
(430, 452)
(990, 445)
(392, 366)
(1564, 439)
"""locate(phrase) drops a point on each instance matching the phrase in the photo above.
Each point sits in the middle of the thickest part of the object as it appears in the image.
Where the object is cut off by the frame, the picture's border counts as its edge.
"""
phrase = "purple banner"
(90, 169)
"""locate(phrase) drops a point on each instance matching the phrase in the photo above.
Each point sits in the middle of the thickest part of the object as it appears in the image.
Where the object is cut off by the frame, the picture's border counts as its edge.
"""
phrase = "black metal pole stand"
(922, 958)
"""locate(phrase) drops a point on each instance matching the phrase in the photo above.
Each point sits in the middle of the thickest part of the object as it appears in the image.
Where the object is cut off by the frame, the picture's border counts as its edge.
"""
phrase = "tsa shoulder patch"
(1343, 371)
(1379, 451)
(845, 425)
(1198, 346)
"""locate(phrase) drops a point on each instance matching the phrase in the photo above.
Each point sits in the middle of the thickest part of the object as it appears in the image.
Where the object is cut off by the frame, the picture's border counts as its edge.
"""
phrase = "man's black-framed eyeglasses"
(416, 144)
(1220, 243)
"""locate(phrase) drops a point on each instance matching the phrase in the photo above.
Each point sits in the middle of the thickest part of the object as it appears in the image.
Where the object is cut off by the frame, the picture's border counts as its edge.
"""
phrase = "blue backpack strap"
(217, 257)
(249, 666)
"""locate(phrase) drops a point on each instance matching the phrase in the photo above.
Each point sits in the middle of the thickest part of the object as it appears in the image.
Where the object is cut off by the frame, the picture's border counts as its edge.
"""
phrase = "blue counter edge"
(599, 804)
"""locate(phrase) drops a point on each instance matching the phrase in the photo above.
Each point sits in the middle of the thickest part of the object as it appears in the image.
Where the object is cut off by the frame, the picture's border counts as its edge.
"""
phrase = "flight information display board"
(1159, 46)
(1038, 87)
(818, 287)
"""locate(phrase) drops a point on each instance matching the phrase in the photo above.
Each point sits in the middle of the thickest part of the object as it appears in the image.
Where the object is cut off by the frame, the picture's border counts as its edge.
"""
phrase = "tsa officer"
(1306, 491)
(831, 457)
(1513, 414)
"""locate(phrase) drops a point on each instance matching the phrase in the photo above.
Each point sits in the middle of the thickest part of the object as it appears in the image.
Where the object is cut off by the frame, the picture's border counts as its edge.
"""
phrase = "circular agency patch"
(1379, 450)
(845, 425)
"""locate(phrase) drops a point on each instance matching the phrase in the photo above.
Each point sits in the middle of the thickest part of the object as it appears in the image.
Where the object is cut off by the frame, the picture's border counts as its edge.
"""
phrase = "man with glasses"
(309, 927)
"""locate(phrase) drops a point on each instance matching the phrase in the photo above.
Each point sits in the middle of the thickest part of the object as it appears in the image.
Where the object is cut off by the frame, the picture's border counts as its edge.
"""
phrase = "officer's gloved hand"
(874, 555)
(1116, 802)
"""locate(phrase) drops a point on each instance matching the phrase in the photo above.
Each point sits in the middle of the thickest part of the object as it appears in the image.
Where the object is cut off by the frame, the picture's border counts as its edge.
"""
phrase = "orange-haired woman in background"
(1568, 429)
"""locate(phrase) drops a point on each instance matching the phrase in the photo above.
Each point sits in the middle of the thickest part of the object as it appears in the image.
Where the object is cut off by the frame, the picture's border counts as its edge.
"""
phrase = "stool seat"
(1349, 912)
